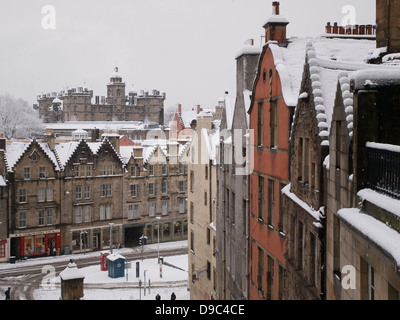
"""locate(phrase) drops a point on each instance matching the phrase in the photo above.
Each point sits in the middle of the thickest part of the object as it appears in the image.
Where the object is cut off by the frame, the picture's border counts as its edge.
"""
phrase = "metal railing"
(384, 169)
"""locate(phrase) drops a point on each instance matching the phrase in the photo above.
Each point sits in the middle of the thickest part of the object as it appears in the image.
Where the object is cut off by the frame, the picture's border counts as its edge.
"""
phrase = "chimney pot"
(275, 8)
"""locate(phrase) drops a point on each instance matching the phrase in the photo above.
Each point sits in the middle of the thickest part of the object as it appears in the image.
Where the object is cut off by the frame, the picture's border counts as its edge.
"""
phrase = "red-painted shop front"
(40, 245)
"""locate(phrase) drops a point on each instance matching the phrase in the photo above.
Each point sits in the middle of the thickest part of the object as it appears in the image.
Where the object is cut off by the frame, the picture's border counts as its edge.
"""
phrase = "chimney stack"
(198, 109)
(388, 25)
(50, 138)
(275, 26)
(180, 108)
(275, 8)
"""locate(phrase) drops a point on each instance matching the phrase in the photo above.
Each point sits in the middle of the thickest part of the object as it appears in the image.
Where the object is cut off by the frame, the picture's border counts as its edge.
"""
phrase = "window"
(2, 249)
(181, 169)
(191, 212)
(300, 245)
(260, 270)
(78, 215)
(27, 173)
(22, 198)
(270, 278)
(42, 172)
(87, 192)
(136, 212)
(41, 217)
(371, 282)
(134, 190)
(107, 170)
(208, 235)
(49, 217)
(208, 270)
(130, 211)
(281, 284)
(181, 205)
(164, 211)
(205, 198)
(151, 170)
(22, 220)
(271, 202)
(133, 171)
(191, 181)
(192, 241)
(78, 192)
(260, 124)
(273, 124)
(261, 198)
(41, 195)
(152, 209)
(105, 190)
(206, 172)
(105, 211)
(300, 160)
(281, 207)
(83, 170)
(88, 214)
(164, 170)
(306, 162)
(151, 189)
(49, 194)
(164, 187)
(311, 261)
(181, 186)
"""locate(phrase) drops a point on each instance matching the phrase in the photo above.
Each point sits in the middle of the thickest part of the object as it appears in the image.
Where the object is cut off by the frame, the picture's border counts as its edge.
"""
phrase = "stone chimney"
(198, 109)
(275, 26)
(388, 25)
(50, 138)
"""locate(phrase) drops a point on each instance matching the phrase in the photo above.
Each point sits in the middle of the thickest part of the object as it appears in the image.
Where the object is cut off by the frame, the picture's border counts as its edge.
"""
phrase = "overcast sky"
(183, 47)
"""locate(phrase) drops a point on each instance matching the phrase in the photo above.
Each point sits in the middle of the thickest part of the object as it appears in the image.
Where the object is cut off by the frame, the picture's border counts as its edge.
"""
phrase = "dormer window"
(34, 156)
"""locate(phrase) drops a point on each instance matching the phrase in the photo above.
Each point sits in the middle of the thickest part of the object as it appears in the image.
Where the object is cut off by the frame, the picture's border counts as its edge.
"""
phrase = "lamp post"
(158, 238)
(111, 237)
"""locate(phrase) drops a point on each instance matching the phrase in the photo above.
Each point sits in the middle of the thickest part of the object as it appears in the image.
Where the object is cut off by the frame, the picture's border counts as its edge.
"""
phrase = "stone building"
(73, 197)
(363, 188)
(233, 180)
(155, 191)
(305, 195)
(76, 104)
(201, 201)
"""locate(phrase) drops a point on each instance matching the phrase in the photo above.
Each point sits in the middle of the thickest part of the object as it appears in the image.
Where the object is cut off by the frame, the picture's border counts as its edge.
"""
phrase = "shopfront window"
(178, 229)
(28, 245)
(39, 244)
(166, 230)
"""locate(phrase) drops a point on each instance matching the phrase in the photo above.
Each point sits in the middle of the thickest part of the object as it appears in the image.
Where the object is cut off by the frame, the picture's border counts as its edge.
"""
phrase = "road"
(25, 279)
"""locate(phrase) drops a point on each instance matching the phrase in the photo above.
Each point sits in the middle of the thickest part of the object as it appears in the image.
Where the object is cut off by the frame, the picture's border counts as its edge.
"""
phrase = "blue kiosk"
(116, 265)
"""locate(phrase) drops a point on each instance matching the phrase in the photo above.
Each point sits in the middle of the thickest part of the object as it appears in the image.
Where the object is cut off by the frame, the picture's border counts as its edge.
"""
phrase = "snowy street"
(97, 284)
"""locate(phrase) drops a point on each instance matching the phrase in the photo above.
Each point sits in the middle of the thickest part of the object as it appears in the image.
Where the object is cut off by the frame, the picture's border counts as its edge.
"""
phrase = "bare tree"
(18, 119)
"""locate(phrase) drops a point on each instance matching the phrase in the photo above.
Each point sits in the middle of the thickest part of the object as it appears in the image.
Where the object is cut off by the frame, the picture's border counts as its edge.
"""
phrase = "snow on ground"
(98, 286)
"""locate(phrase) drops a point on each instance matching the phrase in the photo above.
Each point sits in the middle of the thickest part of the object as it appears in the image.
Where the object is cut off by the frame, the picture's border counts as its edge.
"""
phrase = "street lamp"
(83, 240)
(158, 238)
(111, 236)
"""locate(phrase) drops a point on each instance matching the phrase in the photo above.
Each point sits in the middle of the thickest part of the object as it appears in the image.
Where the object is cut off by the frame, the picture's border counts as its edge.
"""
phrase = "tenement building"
(76, 104)
(80, 196)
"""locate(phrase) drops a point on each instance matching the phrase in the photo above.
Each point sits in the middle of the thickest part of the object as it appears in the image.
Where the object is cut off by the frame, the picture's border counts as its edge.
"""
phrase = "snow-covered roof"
(314, 213)
(379, 233)
(17, 149)
(248, 48)
(289, 63)
(71, 272)
(276, 18)
(115, 256)
(212, 142)
(376, 77)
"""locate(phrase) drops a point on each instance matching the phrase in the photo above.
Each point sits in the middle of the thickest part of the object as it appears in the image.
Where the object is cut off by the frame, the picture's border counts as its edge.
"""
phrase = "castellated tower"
(79, 104)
